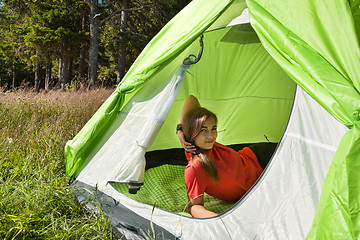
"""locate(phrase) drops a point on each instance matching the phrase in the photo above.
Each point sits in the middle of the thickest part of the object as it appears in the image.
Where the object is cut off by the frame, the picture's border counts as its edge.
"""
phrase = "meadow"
(35, 201)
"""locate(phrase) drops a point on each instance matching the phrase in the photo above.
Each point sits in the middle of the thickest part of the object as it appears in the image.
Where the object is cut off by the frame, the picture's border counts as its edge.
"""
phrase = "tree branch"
(87, 2)
(135, 33)
(122, 10)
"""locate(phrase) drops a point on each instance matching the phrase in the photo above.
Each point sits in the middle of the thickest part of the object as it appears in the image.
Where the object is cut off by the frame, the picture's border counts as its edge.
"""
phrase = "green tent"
(246, 74)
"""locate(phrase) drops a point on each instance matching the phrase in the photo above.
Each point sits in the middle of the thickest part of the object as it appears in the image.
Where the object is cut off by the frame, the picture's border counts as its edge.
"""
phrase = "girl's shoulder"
(218, 147)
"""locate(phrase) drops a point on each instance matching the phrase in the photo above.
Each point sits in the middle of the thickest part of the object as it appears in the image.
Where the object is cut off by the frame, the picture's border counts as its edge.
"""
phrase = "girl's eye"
(203, 130)
(214, 129)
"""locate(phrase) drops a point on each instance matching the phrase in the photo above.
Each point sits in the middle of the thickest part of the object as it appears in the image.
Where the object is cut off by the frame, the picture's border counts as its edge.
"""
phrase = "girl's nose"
(210, 135)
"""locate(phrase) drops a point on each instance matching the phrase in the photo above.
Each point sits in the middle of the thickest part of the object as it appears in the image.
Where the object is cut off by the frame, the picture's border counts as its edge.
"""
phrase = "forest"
(75, 44)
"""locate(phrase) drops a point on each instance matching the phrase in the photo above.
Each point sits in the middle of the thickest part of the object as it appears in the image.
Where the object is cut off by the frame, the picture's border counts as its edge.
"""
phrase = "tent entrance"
(252, 96)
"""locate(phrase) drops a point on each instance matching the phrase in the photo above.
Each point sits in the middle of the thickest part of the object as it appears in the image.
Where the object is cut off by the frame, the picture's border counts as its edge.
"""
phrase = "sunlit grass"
(35, 202)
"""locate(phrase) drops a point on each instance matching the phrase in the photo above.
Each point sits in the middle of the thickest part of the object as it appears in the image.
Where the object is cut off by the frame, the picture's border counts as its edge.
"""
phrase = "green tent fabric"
(317, 44)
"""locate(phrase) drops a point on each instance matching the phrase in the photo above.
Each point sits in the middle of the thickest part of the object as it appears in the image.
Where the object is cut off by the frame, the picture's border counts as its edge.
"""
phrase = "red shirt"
(237, 172)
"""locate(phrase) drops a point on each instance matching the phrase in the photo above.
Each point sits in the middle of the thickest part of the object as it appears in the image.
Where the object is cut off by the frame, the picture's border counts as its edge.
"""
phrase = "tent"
(291, 76)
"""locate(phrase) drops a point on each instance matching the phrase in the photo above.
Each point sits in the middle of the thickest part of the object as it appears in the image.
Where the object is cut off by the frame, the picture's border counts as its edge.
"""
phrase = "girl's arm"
(190, 103)
(197, 209)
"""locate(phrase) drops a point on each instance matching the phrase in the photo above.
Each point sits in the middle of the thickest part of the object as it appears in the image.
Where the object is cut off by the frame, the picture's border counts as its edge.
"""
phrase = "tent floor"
(164, 184)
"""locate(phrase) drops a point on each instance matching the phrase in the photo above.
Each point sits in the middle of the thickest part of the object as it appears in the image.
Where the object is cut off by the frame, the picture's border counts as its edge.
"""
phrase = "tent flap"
(79, 148)
(338, 209)
(322, 55)
(309, 69)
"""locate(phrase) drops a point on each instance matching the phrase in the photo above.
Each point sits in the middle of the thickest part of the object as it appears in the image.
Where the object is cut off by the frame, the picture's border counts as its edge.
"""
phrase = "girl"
(212, 167)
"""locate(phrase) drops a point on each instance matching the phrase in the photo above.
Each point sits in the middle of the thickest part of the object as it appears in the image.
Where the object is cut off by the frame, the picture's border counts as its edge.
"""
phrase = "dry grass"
(35, 202)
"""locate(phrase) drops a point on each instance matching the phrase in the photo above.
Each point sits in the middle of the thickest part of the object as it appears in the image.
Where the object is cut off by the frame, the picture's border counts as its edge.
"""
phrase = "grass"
(35, 202)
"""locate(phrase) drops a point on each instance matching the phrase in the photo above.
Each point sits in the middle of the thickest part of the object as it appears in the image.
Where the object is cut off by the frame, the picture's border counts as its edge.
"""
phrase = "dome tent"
(253, 96)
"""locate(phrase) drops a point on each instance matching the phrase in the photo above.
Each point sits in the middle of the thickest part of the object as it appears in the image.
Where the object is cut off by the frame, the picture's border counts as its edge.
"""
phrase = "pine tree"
(36, 34)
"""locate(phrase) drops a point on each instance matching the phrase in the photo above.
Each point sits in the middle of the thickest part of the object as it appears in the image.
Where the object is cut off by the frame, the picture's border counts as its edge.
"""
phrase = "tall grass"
(35, 202)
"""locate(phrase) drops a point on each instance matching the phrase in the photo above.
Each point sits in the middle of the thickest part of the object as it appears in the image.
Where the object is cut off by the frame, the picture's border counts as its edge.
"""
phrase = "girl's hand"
(189, 147)
(186, 145)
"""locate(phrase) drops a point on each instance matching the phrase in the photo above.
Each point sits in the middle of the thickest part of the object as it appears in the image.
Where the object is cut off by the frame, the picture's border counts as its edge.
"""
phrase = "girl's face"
(207, 136)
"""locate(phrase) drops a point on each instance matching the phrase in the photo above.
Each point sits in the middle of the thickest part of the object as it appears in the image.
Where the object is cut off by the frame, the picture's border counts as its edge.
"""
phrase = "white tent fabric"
(132, 133)
(243, 18)
(282, 204)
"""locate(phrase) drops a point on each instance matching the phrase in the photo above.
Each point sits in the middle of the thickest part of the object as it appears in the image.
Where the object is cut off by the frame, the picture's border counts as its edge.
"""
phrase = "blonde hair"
(191, 125)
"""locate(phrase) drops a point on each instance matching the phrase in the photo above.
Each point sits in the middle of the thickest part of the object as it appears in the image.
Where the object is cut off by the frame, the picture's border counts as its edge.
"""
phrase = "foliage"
(145, 19)
(11, 35)
(5, 70)
(54, 27)
(43, 31)
(35, 202)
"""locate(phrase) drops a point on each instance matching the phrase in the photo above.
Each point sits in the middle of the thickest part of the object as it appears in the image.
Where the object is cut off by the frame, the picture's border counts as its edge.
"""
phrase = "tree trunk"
(81, 74)
(37, 77)
(94, 40)
(48, 75)
(122, 43)
(61, 76)
(67, 71)
(13, 72)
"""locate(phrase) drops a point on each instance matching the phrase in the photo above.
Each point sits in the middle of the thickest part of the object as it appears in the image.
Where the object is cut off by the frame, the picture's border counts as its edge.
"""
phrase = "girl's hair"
(191, 125)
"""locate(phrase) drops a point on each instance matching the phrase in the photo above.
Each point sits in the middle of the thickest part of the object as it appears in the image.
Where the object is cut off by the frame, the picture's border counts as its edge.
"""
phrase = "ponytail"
(207, 165)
